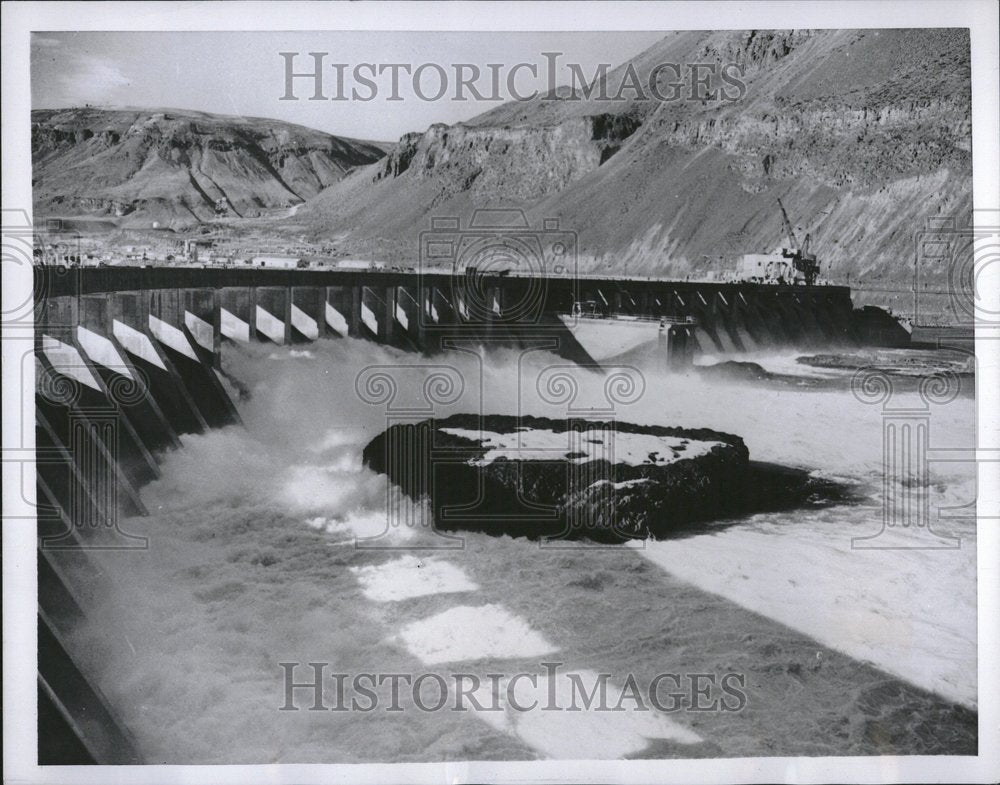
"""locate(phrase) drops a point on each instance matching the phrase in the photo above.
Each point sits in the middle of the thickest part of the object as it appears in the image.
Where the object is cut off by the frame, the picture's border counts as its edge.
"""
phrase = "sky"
(245, 74)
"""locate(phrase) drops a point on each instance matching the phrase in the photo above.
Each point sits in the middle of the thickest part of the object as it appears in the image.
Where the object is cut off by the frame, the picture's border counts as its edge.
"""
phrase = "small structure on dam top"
(793, 264)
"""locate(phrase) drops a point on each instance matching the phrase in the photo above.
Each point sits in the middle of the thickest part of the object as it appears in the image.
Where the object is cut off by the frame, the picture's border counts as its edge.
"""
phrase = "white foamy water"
(907, 612)
(907, 609)
(410, 576)
(468, 632)
(577, 729)
(267, 546)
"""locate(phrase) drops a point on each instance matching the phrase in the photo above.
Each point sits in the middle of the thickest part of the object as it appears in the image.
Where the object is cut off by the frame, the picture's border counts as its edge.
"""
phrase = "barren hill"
(180, 167)
(864, 135)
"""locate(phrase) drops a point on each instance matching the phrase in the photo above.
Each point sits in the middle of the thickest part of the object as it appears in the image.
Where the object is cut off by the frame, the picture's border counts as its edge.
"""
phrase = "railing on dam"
(89, 279)
(415, 309)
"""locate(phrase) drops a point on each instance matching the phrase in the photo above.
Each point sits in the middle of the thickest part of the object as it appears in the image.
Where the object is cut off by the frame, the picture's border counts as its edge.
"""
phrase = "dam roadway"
(416, 310)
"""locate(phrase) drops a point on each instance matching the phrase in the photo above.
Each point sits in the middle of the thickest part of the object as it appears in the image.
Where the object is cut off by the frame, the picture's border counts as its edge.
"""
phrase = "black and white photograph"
(446, 392)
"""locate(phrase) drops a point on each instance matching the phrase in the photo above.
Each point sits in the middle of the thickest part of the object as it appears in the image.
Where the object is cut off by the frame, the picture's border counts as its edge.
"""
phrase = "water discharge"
(268, 545)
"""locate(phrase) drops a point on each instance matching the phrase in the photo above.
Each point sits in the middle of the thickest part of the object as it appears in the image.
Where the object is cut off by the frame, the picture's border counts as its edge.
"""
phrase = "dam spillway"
(129, 360)
(418, 309)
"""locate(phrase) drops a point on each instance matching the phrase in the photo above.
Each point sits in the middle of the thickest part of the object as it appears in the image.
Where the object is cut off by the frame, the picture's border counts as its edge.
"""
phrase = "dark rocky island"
(743, 372)
(606, 481)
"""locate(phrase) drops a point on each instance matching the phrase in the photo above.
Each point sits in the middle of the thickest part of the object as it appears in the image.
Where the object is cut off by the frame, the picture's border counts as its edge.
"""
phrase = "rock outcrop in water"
(606, 481)
(734, 371)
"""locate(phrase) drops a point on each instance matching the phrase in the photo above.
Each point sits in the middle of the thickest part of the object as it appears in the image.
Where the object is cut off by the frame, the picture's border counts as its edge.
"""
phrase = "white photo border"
(19, 554)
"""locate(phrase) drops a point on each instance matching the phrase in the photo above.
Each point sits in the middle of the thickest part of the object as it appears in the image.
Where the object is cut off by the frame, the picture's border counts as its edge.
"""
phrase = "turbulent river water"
(839, 647)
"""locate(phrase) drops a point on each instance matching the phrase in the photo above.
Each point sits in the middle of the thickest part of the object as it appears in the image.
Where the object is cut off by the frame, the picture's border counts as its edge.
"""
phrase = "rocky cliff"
(521, 163)
(180, 167)
(864, 135)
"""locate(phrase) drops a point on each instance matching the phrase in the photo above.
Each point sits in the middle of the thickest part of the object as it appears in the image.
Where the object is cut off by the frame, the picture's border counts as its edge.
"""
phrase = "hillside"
(864, 135)
(179, 168)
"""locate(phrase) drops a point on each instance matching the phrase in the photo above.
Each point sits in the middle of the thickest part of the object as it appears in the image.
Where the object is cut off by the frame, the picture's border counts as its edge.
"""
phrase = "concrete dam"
(128, 361)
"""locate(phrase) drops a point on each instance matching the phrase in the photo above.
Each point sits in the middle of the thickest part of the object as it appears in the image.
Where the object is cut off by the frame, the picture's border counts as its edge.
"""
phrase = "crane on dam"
(805, 264)
(794, 264)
